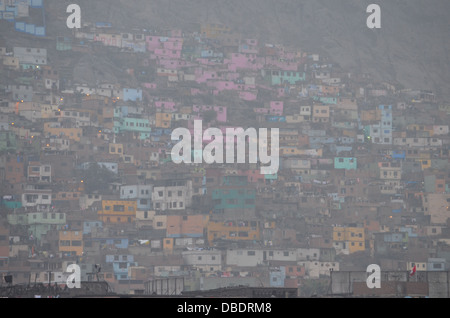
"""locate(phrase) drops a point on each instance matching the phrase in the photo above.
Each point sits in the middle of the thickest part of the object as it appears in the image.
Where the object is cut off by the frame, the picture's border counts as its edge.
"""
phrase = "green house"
(38, 223)
(326, 100)
(140, 126)
(280, 77)
(7, 141)
(345, 163)
(233, 198)
(234, 194)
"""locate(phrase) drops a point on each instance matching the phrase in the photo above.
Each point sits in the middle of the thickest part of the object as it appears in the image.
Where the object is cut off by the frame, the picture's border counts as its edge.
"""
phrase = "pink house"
(195, 91)
(202, 76)
(173, 54)
(166, 106)
(244, 61)
(171, 64)
(248, 95)
(152, 43)
(281, 92)
(253, 176)
(173, 44)
(149, 85)
(276, 108)
(222, 85)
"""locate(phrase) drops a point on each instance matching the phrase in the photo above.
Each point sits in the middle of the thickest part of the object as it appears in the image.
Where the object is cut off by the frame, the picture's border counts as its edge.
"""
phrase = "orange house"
(186, 225)
(71, 242)
(233, 230)
(331, 90)
(168, 244)
(117, 211)
(71, 133)
(163, 120)
(14, 170)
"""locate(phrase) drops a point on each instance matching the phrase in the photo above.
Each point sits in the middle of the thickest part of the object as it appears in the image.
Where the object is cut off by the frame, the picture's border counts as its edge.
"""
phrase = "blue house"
(132, 94)
(121, 264)
(277, 277)
(89, 225)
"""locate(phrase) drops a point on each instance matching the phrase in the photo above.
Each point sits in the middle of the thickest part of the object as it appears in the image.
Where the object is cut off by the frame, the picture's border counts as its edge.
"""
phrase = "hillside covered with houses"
(87, 177)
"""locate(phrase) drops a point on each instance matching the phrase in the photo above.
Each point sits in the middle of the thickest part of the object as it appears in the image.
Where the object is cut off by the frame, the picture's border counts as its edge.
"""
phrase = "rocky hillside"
(412, 47)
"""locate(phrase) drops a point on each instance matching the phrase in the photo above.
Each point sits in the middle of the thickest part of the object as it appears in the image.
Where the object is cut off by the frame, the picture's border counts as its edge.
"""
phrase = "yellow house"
(71, 242)
(116, 149)
(118, 211)
(49, 111)
(163, 120)
(295, 119)
(290, 151)
(425, 163)
(420, 266)
(11, 62)
(423, 128)
(371, 115)
(354, 236)
(168, 244)
(71, 133)
(321, 113)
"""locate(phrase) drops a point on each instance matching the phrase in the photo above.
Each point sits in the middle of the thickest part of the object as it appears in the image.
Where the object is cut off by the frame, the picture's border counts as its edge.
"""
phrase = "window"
(251, 253)
(118, 208)
(76, 243)
(64, 243)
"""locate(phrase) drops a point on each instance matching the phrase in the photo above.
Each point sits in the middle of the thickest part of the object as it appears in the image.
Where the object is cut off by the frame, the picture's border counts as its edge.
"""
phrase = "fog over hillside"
(412, 47)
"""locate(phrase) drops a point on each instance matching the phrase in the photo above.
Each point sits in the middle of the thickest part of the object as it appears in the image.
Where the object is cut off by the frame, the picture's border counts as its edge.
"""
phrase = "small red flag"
(413, 271)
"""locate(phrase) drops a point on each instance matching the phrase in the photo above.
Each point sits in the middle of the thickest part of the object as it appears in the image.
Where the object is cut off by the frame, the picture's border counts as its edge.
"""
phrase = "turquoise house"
(280, 77)
(139, 126)
(345, 163)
